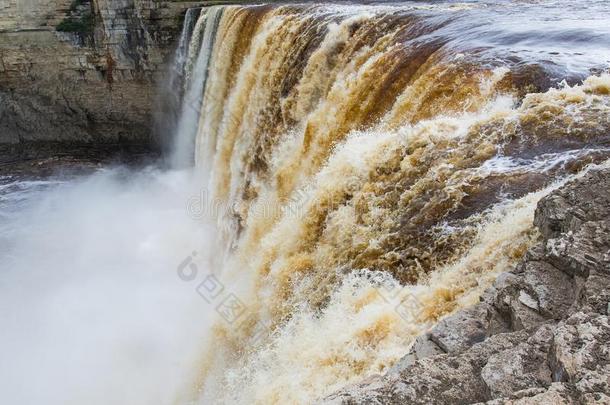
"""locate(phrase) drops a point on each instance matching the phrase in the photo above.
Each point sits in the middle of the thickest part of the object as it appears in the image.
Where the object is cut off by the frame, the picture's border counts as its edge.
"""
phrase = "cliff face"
(539, 335)
(81, 71)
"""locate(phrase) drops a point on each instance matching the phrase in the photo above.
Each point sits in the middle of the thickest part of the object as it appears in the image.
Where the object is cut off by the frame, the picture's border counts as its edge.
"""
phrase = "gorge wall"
(82, 73)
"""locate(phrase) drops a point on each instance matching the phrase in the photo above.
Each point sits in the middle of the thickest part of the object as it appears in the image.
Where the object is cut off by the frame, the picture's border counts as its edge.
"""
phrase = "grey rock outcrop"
(540, 335)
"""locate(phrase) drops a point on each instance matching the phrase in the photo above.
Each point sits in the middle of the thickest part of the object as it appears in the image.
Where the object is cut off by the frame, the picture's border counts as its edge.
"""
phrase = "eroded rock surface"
(540, 335)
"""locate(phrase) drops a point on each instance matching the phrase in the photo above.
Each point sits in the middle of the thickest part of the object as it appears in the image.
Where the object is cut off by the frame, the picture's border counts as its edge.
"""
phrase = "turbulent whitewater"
(372, 169)
(348, 175)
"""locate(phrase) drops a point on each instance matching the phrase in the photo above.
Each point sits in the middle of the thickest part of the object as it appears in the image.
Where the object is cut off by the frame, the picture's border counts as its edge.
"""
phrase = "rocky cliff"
(82, 72)
(539, 335)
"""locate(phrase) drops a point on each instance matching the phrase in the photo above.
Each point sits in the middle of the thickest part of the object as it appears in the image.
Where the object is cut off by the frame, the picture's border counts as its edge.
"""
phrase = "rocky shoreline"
(540, 335)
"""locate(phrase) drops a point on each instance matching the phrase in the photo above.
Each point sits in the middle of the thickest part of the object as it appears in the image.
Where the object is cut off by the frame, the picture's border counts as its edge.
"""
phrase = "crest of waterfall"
(382, 165)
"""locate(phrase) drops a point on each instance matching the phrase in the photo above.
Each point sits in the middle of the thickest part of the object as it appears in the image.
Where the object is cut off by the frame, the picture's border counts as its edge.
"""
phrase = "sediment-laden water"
(363, 147)
(360, 171)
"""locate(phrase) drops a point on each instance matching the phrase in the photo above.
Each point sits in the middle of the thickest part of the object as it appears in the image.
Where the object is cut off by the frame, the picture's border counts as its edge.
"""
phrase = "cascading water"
(193, 58)
(190, 19)
(361, 148)
(359, 173)
(170, 104)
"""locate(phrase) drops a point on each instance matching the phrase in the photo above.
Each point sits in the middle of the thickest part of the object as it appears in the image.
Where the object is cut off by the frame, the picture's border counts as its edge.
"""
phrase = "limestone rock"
(422, 347)
(557, 394)
(516, 369)
(568, 208)
(580, 346)
(462, 330)
(554, 291)
(578, 254)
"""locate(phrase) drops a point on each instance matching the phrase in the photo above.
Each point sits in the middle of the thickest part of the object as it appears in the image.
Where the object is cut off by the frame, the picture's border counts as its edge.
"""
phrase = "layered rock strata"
(91, 83)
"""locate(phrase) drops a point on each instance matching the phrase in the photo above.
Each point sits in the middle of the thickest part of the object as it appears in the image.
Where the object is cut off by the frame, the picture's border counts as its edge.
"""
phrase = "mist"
(93, 309)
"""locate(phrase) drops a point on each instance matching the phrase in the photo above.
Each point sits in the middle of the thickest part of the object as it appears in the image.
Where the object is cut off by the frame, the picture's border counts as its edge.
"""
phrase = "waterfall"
(190, 19)
(193, 62)
(382, 165)
(169, 103)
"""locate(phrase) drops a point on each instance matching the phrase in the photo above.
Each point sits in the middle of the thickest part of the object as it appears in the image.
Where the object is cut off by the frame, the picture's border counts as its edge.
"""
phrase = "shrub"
(82, 25)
